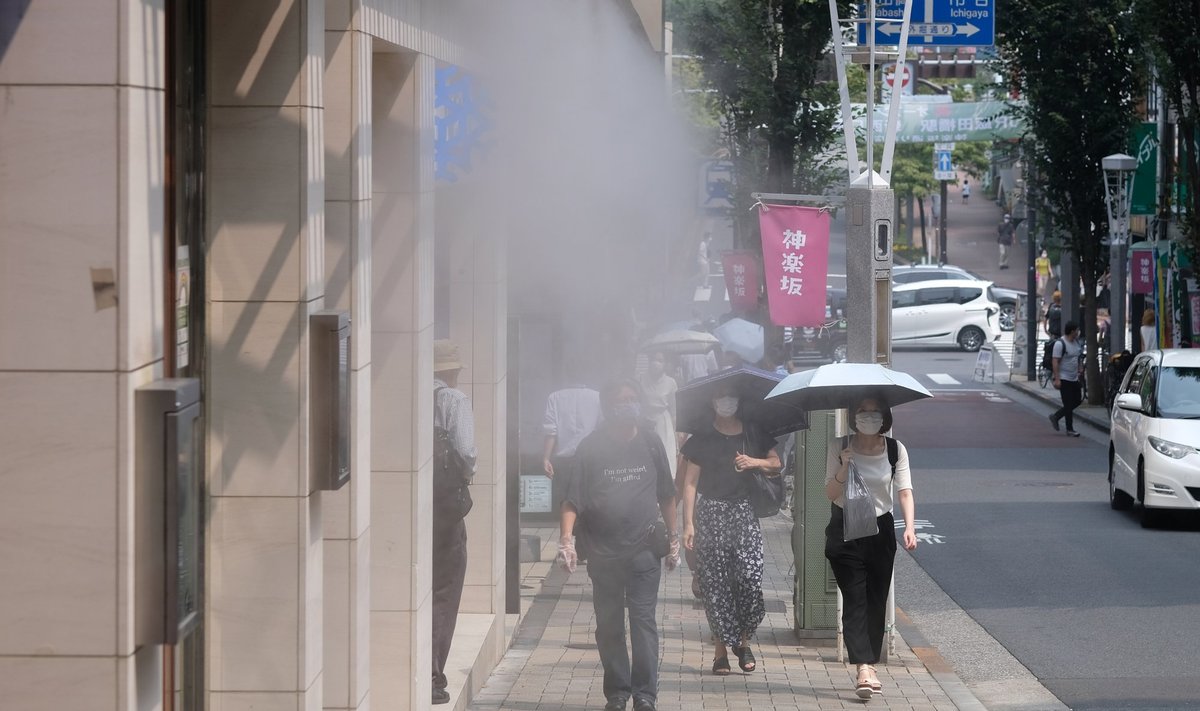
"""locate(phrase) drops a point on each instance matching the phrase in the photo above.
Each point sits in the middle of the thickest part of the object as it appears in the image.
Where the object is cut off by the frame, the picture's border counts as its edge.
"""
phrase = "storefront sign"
(741, 280)
(1141, 273)
(1144, 147)
(795, 243)
(943, 123)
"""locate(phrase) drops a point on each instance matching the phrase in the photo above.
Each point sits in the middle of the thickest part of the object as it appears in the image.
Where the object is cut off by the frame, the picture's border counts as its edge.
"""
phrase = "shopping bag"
(858, 510)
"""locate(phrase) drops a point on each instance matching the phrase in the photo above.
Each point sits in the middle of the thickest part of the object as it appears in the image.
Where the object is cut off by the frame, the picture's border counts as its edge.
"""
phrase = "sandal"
(745, 658)
(876, 687)
(864, 690)
(721, 666)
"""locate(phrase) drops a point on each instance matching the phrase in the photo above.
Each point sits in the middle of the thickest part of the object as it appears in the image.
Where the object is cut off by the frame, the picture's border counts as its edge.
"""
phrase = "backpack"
(1054, 320)
(451, 477)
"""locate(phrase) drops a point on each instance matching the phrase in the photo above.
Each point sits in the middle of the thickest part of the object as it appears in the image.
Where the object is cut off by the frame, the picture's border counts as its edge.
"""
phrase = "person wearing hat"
(1005, 239)
(453, 466)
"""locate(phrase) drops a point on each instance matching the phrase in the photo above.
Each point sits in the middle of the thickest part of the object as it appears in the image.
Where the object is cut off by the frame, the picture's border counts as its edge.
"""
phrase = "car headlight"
(1171, 449)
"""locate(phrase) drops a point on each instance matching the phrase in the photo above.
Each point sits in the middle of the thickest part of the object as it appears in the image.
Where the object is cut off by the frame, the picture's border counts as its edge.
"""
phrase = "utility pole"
(942, 237)
(1031, 300)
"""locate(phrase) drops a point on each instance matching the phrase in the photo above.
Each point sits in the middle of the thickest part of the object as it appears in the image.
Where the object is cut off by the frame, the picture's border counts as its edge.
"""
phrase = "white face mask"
(725, 406)
(869, 423)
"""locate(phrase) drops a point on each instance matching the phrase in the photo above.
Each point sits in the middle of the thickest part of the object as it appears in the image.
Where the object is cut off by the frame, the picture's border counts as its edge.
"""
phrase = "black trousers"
(449, 572)
(620, 583)
(1072, 395)
(863, 568)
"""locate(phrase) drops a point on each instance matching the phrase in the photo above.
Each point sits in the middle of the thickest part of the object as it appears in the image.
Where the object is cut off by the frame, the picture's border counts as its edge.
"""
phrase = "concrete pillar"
(402, 379)
(266, 274)
(348, 286)
(81, 328)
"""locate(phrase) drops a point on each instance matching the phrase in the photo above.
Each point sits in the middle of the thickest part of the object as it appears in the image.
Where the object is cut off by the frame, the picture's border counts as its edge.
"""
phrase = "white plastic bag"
(858, 511)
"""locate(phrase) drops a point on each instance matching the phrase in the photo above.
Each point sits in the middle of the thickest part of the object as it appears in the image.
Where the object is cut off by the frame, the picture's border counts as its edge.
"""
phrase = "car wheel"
(1008, 316)
(1117, 499)
(970, 339)
(1150, 517)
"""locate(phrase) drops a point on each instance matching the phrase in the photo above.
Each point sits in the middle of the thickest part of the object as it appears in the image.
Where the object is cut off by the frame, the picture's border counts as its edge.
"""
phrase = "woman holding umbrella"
(863, 567)
(723, 529)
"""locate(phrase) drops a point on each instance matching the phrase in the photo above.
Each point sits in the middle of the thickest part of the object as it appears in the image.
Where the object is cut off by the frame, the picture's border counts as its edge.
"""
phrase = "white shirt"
(696, 365)
(877, 473)
(1068, 354)
(571, 415)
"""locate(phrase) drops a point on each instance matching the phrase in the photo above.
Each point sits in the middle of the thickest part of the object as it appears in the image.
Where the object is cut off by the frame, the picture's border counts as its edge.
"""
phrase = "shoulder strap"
(893, 450)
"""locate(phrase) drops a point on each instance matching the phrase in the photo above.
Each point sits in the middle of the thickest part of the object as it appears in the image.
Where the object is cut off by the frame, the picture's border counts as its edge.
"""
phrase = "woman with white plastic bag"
(862, 560)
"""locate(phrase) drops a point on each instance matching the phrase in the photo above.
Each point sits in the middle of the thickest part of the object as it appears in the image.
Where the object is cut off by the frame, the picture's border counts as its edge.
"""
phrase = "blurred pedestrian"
(1005, 239)
(659, 390)
(572, 413)
(453, 466)
(698, 365)
(1042, 269)
(966, 190)
(703, 265)
(863, 566)
(1065, 360)
(723, 529)
(1149, 330)
(1052, 319)
(621, 485)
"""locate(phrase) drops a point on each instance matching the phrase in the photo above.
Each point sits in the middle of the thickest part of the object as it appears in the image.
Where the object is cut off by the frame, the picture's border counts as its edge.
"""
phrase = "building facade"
(184, 184)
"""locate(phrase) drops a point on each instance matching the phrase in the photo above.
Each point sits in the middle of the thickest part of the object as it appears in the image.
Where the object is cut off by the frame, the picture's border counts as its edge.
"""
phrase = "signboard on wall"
(1143, 145)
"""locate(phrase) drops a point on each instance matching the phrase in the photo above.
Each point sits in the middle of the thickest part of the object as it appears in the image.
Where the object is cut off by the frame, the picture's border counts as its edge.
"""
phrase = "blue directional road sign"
(934, 23)
(943, 166)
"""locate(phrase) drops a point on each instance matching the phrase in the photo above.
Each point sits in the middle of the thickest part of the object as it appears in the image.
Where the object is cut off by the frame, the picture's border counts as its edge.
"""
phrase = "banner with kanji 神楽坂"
(795, 242)
(741, 280)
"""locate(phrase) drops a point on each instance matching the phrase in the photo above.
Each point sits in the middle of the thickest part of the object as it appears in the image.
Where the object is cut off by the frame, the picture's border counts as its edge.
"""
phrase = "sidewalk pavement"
(1095, 415)
(553, 663)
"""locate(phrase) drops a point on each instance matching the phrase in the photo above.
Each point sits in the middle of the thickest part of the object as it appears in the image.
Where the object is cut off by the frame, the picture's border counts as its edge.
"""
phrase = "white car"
(1154, 434)
(949, 312)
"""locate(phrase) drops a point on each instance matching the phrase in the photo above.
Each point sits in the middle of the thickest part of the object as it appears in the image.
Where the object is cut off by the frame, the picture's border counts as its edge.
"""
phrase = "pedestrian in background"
(1065, 362)
(621, 485)
(572, 413)
(863, 566)
(659, 391)
(1042, 269)
(453, 466)
(966, 191)
(1005, 239)
(723, 529)
(703, 264)
(1149, 330)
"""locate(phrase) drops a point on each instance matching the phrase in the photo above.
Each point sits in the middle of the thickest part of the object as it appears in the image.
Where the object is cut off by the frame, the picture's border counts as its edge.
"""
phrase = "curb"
(960, 695)
(1048, 396)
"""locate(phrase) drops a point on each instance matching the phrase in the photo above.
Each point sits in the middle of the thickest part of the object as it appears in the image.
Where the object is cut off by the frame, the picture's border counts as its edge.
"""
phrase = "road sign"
(934, 23)
(943, 166)
(906, 77)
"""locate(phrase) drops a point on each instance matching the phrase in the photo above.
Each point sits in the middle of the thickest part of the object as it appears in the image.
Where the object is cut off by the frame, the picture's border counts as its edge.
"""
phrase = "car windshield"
(1179, 393)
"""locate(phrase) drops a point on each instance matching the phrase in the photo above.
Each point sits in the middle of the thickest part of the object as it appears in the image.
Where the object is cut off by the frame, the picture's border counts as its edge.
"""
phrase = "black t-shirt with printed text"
(714, 452)
(616, 489)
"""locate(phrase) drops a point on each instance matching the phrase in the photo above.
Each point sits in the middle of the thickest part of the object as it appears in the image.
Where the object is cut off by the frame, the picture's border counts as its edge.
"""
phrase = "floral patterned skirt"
(729, 546)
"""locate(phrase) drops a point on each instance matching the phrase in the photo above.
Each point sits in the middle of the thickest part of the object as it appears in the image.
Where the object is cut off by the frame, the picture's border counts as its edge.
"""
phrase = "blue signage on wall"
(460, 122)
(934, 23)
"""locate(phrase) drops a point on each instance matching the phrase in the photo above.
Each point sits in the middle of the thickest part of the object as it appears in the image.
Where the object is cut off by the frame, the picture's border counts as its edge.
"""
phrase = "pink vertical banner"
(1141, 271)
(795, 243)
(741, 280)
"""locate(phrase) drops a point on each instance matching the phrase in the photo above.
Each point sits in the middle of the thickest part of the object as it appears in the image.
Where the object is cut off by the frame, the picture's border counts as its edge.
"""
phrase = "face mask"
(869, 422)
(626, 412)
(726, 406)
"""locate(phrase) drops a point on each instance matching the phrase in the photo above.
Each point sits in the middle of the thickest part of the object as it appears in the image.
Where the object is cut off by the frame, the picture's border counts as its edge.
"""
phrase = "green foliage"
(766, 61)
(1171, 29)
(1077, 66)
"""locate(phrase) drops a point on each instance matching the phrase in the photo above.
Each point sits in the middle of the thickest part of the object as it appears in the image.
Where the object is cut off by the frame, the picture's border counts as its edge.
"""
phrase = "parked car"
(825, 343)
(1154, 434)
(1009, 299)
(951, 312)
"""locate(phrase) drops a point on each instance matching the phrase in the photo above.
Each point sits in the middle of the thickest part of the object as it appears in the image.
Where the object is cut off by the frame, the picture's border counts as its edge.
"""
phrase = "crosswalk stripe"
(943, 378)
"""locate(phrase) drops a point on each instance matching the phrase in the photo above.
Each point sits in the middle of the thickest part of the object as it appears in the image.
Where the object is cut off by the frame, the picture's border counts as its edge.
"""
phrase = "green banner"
(1143, 145)
(922, 122)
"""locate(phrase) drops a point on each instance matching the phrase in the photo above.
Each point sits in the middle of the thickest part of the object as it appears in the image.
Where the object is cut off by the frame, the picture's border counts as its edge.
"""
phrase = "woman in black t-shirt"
(723, 529)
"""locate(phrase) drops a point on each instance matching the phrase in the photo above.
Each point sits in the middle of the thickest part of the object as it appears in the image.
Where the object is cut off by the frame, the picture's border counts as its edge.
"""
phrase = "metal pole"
(942, 236)
(1032, 356)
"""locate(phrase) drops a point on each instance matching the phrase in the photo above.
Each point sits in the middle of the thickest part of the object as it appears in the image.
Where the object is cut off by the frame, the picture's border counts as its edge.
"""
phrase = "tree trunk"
(924, 240)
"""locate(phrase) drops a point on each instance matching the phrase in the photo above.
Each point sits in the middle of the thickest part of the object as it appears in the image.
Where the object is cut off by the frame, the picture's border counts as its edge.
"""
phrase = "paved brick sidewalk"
(553, 663)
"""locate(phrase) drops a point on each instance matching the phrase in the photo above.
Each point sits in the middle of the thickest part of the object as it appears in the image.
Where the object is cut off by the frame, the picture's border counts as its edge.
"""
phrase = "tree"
(1076, 65)
(1171, 29)
(765, 59)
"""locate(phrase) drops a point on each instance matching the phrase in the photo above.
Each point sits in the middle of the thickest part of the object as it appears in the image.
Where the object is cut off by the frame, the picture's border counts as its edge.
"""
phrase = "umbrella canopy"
(742, 337)
(836, 386)
(681, 342)
(693, 403)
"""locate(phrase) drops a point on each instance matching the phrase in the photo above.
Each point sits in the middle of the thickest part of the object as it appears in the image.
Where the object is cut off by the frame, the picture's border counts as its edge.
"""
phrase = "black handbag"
(766, 493)
(657, 539)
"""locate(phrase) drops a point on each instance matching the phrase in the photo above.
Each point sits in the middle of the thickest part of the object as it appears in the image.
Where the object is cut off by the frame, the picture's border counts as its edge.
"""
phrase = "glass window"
(937, 295)
(1147, 389)
(967, 294)
(1179, 393)
(1135, 379)
(901, 299)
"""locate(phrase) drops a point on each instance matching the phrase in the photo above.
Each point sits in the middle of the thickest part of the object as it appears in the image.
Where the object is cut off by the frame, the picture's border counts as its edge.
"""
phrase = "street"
(1018, 533)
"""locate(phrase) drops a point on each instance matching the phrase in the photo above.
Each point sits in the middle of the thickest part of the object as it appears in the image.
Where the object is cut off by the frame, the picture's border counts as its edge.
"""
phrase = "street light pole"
(1118, 186)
